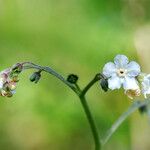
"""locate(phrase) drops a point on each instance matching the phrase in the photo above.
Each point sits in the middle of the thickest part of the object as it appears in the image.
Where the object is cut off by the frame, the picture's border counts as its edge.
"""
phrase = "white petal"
(109, 69)
(13, 92)
(145, 95)
(114, 83)
(130, 83)
(1, 83)
(121, 61)
(133, 69)
(146, 85)
(145, 91)
(6, 71)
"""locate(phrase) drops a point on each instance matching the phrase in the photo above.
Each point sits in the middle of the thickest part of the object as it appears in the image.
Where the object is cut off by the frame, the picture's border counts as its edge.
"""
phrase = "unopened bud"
(72, 78)
(143, 109)
(104, 84)
(17, 68)
(12, 86)
(35, 77)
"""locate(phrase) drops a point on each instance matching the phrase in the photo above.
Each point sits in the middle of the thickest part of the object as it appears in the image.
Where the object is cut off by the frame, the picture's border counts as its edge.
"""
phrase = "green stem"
(78, 91)
(29, 65)
(91, 83)
(91, 123)
(122, 118)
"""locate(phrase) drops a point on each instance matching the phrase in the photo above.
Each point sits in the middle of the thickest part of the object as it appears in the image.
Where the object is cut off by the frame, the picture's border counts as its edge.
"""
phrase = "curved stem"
(122, 118)
(29, 65)
(91, 83)
(78, 91)
(91, 123)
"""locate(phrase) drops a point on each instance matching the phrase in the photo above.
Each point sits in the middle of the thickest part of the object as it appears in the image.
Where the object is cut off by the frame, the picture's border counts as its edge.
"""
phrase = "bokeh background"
(71, 36)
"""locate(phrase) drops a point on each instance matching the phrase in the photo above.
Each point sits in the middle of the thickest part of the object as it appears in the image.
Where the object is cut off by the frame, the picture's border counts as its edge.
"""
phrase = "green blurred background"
(71, 36)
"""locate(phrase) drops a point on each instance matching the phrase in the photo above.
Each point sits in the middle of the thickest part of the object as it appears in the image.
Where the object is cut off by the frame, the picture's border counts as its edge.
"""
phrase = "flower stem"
(91, 83)
(122, 118)
(29, 65)
(91, 122)
(78, 91)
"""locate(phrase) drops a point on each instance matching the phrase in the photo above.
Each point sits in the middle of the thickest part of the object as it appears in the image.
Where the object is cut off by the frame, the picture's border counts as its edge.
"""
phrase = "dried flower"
(8, 80)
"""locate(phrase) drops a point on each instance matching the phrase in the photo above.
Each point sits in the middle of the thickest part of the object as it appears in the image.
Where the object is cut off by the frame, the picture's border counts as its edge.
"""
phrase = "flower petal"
(146, 85)
(121, 61)
(109, 69)
(133, 69)
(130, 83)
(1, 84)
(114, 83)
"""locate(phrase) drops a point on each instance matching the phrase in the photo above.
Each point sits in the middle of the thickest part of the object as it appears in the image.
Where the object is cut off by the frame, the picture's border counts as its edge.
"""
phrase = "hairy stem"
(29, 65)
(78, 91)
(91, 83)
(122, 118)
(91, 123)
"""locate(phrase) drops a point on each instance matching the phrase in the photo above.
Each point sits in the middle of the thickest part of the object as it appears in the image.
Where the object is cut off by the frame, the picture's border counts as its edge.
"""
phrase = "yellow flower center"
(121, 72)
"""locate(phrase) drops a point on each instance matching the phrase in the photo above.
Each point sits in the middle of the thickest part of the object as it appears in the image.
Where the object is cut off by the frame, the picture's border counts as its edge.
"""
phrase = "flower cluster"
(122, 73)
(8, 80)
(117, 74)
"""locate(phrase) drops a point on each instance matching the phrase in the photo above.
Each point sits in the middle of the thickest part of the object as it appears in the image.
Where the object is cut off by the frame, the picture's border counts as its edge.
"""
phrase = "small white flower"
(146, 85)
(122, 73)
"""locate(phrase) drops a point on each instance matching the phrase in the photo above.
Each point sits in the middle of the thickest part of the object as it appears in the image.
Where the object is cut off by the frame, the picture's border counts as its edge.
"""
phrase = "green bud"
(17, 68)
(143, 109)
(140, 77)
(35, 77)
(104, 84)
(72, 78)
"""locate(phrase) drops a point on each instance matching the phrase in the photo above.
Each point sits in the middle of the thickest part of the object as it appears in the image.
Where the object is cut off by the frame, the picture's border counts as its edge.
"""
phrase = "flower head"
(122, 73)
(8, 80)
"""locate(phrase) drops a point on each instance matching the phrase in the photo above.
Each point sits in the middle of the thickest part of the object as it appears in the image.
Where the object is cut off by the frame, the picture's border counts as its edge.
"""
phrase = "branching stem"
(81, 94)
(136, 105)
(78, 91)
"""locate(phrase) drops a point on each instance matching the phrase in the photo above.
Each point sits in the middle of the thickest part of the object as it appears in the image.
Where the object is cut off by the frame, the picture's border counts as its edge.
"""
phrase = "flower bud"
(3, 93)
(12, 86)
(72, 78)
(35, 77)
(104, 84)
(143, 109)
(17, 68)
(141, 77)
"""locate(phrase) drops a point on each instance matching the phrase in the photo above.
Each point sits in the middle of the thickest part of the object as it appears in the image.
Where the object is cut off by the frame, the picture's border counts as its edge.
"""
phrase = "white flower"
(122, 73)
(146, 85)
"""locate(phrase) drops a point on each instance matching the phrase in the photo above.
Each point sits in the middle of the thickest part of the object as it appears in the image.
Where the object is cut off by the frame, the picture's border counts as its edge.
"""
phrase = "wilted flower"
(146, 85)
(133, 93)
(122, 73)
(8, 80)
